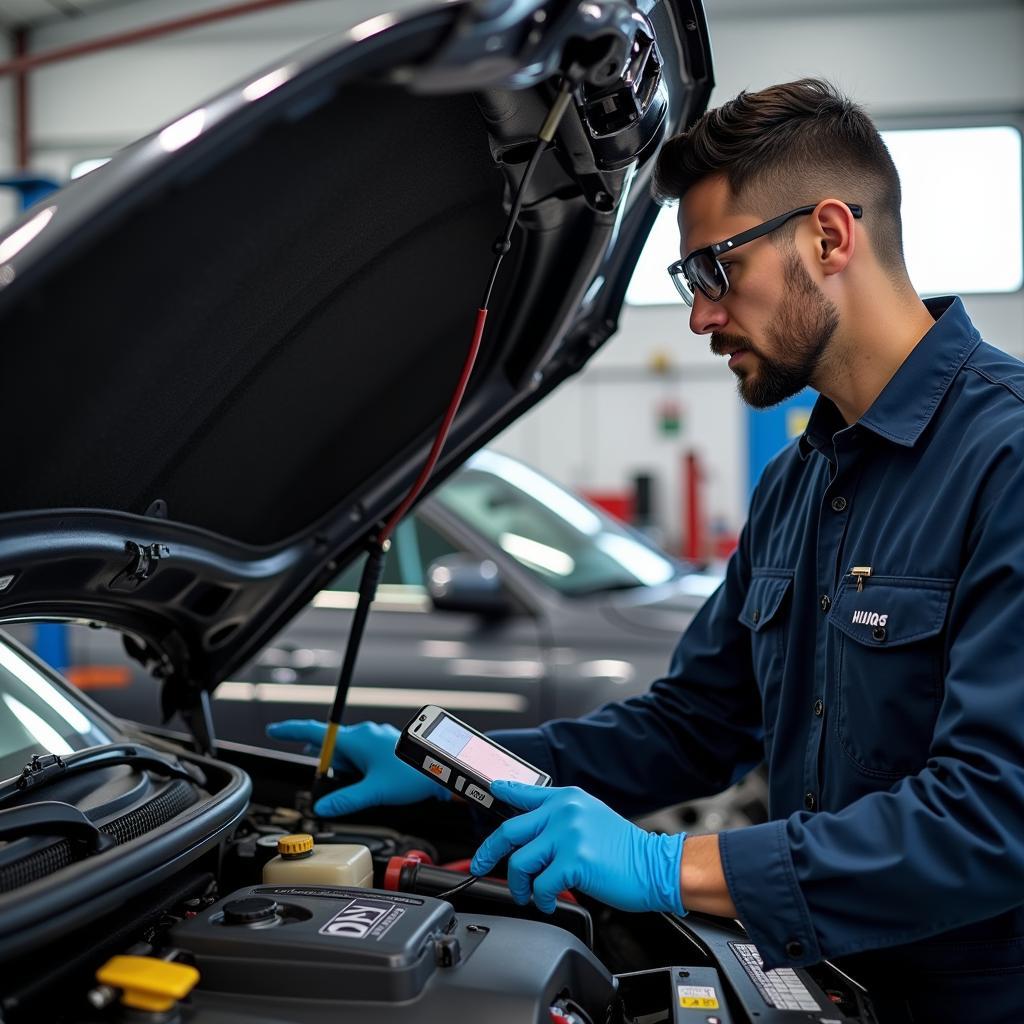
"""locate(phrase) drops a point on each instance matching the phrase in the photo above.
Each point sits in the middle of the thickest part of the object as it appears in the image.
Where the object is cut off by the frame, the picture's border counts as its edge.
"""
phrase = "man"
(868, 640)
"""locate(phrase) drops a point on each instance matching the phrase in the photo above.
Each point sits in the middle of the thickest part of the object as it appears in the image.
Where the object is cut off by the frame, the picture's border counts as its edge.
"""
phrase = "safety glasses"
(701, 271)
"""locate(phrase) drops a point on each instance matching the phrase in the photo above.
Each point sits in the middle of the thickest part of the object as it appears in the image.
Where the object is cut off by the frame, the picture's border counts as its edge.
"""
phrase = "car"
(228, 353)
(504, 597)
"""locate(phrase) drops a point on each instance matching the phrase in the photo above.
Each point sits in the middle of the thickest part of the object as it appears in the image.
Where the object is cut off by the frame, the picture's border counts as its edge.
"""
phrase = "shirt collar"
(907, 403)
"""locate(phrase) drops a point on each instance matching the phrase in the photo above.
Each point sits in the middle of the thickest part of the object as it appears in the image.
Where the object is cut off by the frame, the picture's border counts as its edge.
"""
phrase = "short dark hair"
(786, 146)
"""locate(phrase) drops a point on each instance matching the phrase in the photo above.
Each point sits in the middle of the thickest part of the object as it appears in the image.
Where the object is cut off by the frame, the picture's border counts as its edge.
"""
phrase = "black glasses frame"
(701, 270)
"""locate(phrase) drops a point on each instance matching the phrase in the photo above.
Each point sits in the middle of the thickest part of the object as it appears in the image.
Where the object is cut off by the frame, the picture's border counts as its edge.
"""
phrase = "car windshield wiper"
(44, 769)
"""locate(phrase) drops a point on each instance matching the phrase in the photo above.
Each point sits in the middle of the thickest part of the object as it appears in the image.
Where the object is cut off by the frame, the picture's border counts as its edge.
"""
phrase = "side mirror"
(462, 583)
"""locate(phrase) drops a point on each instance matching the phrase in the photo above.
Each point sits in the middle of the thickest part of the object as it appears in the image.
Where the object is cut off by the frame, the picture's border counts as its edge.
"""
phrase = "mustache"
(722, 343)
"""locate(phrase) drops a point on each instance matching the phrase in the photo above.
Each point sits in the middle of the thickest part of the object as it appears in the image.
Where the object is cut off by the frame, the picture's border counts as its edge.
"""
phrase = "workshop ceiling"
(15, 13)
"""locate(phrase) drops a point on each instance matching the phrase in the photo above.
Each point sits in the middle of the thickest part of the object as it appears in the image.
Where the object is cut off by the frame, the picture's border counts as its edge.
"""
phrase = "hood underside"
(227, 351)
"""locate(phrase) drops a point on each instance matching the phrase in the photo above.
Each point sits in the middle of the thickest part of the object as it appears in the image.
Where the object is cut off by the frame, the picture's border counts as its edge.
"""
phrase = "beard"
(800, 332)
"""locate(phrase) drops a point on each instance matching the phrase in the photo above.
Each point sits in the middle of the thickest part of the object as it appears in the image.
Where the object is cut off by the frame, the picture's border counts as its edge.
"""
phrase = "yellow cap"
(290, 846)
(147, 983)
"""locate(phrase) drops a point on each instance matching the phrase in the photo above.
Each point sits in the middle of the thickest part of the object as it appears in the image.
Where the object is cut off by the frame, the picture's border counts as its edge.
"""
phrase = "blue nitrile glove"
(569, 839)
(370, 749)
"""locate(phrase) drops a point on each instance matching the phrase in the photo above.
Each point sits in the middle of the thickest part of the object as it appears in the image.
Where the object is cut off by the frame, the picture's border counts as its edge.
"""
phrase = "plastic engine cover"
(320, 953)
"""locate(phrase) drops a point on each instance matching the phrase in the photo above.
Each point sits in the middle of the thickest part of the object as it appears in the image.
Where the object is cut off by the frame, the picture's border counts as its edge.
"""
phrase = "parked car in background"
(505, 598)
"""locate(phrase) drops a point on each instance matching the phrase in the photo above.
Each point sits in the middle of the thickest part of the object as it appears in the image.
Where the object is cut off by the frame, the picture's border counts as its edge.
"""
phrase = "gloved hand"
(370, 749)
(569, 839)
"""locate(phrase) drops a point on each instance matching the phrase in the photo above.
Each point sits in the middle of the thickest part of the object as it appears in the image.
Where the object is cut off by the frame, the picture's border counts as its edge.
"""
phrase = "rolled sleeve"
(759, 872)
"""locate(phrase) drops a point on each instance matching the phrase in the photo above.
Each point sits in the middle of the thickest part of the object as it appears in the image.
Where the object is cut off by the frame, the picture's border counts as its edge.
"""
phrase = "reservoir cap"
(298, 845)
(249, 910)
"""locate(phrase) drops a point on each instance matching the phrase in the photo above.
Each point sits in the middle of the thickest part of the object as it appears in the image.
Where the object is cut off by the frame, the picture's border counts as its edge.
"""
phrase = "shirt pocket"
(765, 613)
(889, 668)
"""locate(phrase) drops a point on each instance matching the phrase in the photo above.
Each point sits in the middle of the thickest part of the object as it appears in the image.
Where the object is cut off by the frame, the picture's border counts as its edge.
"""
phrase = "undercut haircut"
(787, 146)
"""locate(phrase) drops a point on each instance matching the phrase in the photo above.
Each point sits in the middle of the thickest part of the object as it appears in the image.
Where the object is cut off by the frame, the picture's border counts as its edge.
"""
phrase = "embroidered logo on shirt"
(870, 618)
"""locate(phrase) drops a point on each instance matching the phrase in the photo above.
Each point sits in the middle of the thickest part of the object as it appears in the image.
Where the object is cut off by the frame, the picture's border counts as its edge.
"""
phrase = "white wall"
(904, 59)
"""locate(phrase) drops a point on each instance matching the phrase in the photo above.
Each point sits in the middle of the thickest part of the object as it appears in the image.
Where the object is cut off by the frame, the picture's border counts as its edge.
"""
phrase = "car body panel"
(248, 396)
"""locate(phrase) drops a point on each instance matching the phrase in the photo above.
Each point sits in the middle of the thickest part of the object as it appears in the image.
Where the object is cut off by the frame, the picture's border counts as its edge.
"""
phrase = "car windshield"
(36, 716)
(570, 544)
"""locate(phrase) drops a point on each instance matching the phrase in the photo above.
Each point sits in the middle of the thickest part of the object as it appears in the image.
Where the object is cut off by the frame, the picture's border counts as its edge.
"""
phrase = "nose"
(707, 316)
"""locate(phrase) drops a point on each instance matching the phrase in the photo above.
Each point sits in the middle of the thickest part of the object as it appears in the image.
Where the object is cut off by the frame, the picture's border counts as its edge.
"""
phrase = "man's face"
(774, 323)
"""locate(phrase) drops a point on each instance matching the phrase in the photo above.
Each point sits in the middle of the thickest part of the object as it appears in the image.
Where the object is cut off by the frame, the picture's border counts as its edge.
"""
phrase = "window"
(567, 543)
(413, 547)
(962, 217)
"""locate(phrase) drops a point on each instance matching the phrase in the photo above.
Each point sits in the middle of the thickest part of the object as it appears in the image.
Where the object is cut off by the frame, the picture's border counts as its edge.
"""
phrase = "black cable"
(544, 136)
(461, 887)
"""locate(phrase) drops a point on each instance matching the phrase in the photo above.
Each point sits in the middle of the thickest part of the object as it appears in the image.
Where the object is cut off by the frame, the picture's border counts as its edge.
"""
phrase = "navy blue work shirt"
(868, 642)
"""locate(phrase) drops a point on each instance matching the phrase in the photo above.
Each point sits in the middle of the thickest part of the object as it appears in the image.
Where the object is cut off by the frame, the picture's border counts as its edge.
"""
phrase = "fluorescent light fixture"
(962, 229)
(183, 131)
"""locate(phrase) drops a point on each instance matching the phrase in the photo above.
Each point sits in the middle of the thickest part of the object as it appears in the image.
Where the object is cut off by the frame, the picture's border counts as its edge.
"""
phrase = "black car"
(505, 598)
(226, 353)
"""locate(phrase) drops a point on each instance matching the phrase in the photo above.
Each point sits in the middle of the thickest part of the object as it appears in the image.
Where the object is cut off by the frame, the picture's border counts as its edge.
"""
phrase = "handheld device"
(463, 760)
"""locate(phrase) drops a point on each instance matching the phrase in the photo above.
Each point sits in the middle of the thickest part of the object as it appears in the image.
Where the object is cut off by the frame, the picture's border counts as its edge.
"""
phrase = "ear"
(835, 239)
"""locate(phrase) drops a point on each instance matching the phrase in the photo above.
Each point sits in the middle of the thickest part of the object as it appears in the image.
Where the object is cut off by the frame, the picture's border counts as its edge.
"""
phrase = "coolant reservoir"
(300, 861)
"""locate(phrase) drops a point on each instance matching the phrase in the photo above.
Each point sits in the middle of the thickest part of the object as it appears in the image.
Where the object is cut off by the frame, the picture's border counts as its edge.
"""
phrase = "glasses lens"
(682, 284)
(707, 274)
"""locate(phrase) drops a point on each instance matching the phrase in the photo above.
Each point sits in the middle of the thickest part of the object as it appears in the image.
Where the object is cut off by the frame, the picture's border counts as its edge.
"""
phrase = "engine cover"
(321, 953)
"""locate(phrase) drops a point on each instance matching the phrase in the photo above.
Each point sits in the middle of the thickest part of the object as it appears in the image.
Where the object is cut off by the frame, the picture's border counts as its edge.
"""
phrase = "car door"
(488, 671)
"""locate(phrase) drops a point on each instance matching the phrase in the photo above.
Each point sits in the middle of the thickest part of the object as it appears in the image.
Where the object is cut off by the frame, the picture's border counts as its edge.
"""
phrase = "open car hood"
(226, 352)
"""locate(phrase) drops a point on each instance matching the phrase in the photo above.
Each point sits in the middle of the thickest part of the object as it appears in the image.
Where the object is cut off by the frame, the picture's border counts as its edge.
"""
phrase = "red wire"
(442, 434)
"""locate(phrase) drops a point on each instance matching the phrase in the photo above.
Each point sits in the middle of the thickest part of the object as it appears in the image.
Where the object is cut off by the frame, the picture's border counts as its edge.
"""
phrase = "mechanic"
(868, 638)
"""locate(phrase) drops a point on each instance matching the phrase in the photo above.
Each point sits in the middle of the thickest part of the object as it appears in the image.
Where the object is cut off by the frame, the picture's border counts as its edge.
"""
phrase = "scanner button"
(459, 783)
(440, 771)
(482, 797)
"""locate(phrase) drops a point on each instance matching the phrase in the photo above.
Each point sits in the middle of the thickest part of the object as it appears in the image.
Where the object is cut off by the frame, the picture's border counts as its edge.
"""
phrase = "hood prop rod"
(379, 544)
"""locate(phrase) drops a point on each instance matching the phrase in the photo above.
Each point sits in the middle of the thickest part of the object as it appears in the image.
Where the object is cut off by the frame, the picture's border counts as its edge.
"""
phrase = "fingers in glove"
(348, 800)
(525, 864)
(507, 837)
(558, 875)
(299, 730)
(521, 796)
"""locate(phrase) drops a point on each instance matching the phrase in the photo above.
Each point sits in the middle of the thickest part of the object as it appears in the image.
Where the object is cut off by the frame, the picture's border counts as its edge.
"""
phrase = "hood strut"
(379, 545)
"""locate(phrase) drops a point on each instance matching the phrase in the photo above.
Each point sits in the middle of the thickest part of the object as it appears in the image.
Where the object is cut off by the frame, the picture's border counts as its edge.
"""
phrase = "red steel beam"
(21, 134)
(23, 62)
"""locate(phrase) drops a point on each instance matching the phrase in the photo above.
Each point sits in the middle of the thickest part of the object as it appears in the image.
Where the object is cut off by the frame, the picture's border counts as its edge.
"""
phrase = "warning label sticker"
(698, 997)
(363, 919)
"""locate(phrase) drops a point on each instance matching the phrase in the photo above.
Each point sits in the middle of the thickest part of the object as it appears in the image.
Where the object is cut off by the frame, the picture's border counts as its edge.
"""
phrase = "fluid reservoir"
(300, 861)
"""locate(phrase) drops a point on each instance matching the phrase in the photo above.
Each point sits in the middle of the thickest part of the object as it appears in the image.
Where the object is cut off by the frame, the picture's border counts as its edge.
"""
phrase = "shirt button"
(809, 801)
(757, 615)
(819, 708)
(826, 602)
(794, 950)
(838, 504)
(879, 633)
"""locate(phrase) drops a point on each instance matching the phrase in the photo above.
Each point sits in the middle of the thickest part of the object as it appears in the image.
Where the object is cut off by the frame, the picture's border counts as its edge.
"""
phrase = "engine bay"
(229, 937)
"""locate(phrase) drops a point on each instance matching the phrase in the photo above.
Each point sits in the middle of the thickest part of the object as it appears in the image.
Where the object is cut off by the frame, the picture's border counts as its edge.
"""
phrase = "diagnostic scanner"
(463, 760)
